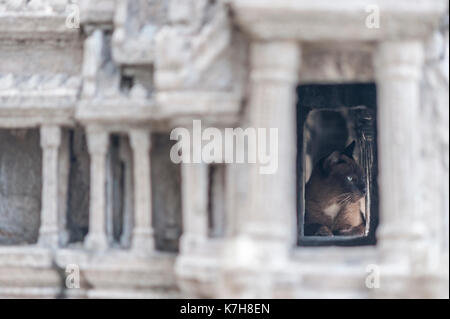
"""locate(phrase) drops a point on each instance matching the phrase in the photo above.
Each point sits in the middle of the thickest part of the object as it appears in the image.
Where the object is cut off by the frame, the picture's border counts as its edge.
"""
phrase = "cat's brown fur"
(333, 194)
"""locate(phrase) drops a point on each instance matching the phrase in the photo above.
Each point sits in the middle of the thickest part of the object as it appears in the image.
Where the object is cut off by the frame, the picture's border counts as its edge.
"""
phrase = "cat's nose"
(363, 188)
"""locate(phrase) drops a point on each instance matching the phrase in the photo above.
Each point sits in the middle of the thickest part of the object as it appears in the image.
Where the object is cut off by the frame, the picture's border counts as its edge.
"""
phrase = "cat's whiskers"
(343, 199)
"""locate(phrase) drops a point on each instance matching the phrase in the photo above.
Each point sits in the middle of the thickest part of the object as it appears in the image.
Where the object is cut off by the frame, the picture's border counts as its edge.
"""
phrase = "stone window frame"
(368, 238)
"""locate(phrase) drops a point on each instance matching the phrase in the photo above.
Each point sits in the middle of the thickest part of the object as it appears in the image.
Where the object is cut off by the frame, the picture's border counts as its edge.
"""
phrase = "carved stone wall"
(20, 201)
(90, 91)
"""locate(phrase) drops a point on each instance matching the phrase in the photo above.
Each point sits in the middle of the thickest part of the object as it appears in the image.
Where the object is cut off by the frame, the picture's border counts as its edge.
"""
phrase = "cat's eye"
(349, 178)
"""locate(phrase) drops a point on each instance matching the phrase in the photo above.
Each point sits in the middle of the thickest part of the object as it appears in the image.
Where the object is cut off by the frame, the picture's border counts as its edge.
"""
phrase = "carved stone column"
(50, 142)
(273, 106)
(194, 266)
(97, 146)
(194, 200)
(194, 188)
(142, 232)
(268, 230)
(398, 67)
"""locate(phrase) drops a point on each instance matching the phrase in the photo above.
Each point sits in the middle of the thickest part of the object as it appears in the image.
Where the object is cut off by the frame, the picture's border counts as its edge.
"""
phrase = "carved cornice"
(164, 107)
(322, 20)
(37, 99)
(36, 19)
(22, 90)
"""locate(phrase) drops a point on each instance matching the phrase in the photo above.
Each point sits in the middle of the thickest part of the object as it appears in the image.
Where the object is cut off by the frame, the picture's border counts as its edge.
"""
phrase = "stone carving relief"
(102, 77)
(136, 23)
(198, 49)
(14, 87)
(29, 6)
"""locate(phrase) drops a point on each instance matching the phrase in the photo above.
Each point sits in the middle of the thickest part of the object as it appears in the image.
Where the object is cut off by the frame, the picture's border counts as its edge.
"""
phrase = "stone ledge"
(34, 272)
(28, 272)
(104, 274)
(24, 25)
(165, 106)
(320, 20)
(25, 117)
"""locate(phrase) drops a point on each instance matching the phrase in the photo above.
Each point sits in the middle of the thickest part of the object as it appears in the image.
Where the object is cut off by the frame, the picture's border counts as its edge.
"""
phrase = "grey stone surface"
(20, 186)
(230, 63)
(166, 195)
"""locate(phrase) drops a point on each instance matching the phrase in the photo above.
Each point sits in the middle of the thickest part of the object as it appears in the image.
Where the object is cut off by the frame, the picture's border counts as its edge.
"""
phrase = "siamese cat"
(333, 194)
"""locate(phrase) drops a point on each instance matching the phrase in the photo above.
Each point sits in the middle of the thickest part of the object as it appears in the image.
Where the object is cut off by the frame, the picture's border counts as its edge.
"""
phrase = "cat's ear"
(329, 161)
(349, 149)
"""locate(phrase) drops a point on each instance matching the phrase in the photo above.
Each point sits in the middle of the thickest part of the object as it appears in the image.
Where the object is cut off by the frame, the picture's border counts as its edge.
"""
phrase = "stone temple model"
(91, 205)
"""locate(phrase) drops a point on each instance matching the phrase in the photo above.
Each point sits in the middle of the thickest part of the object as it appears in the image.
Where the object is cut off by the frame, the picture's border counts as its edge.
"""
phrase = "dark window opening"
(216, 201)
(79, 185)
(166, 195)
(329, 118)
(115, 180)
(126, 82)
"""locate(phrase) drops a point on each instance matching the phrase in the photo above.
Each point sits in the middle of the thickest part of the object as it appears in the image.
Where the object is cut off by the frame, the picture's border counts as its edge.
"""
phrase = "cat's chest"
(332, 210)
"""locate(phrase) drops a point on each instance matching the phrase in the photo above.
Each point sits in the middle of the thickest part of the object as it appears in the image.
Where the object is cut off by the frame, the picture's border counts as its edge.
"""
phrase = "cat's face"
(344, 175)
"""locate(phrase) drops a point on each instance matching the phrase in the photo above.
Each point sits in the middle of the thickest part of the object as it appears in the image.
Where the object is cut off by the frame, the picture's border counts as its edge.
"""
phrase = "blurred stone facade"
(85, 175)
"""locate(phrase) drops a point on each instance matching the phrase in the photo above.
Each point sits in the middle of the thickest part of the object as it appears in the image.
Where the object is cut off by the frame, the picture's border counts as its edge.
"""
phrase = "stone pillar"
(97, 146)
(194, 189)
(398, 67)
(268, 231)
(142, 232)
(274, 71)
(194, 266)
(50, 142)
